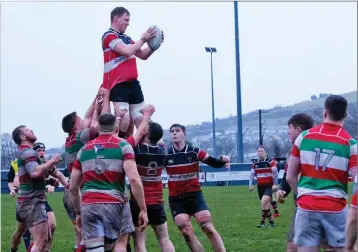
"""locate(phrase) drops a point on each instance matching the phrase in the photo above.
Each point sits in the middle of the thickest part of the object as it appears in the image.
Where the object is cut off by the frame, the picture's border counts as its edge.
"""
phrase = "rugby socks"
(129, 247)
(30, 247)
(263, 216)
(269, 216)
(81, 248)
(274, 206)
(27, 238)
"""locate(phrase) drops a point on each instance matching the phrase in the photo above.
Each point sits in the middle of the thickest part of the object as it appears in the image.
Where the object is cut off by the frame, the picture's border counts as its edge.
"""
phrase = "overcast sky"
(52, 63)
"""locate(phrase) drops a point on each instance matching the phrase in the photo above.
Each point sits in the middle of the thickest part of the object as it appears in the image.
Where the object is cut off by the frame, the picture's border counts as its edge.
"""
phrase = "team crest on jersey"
(97, 147)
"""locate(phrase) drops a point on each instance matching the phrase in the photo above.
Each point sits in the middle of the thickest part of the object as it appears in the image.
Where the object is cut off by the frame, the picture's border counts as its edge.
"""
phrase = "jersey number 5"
(320, 151)
(100, 165)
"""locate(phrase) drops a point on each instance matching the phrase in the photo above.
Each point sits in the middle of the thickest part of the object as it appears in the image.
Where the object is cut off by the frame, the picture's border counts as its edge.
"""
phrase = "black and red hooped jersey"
(263, 170)
(183, 169)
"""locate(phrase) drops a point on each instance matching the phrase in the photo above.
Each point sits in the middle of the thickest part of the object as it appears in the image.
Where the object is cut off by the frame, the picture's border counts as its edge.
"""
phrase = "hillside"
(274, 130)
(274, 125)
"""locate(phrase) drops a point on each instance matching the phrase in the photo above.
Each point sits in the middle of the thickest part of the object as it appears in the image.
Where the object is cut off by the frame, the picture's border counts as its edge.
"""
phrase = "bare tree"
(350, 124)
(8, 151)
(317, 114)
(276, 146)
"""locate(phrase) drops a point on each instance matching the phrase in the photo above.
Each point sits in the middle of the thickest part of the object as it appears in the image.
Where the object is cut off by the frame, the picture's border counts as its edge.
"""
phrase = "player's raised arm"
(148, 111)
(145, 53)
(33, 168)
(89, 114)
(211, 161)
(62, 179)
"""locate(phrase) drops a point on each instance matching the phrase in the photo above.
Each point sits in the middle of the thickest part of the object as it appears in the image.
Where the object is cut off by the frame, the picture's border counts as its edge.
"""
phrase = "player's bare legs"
(184, 224)
(96, 244)
(351, 229)
(135, 111)
(52, 227)
(119, 107)
(161, 231)
(121, 244)
(266, 213)
(204, 221)
(16, 237)
(40, 234)
(139, 240)
(326, 248)
(308, 249)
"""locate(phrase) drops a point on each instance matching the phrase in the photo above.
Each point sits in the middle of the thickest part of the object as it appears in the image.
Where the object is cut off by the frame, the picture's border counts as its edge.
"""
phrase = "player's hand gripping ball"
(157, 40)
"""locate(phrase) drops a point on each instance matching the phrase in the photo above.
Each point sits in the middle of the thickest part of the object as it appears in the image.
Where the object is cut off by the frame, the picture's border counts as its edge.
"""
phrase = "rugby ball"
(155, 42)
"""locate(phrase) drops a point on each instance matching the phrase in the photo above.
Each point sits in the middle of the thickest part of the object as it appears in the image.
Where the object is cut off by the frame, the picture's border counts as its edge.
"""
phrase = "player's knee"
(291, 247)
(207, 227)
(52, 227)
(136, 112)
(187, 230)
(163, 240)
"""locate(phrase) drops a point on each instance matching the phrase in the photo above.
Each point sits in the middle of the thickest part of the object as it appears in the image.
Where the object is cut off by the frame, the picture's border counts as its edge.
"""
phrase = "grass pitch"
(235, 212)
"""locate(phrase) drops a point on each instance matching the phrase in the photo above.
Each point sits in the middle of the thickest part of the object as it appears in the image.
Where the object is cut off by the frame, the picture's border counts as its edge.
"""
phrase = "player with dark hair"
(79, 133)
(185, 196)
(323, 155)
(150, 159)
(296, 124)
(102, 165)
(31, 209)
(14, 185)
(120, 67)
(265, 169)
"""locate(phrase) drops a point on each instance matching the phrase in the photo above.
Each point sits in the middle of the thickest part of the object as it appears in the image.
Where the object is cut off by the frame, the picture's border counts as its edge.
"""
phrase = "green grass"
(234, 209)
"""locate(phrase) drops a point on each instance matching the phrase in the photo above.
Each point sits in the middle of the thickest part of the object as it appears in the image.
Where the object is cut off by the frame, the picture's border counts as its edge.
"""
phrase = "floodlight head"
(207, 49)
(213, 49)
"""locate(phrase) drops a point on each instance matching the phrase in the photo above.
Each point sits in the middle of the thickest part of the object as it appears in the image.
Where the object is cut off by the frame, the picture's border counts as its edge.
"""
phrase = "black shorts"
(128, 92)
(156, 213)
(188, 203)
(264, 190)
(47, 207)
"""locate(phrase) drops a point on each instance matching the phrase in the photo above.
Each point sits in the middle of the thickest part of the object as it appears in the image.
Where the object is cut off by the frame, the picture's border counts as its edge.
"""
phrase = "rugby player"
(79, 133)
(265, 169)
(185, 195)
(296, 124)
(51, 181)
(14, 185)
(323, 155)
(351, 228)
(30, 207)
(102, 165)
(150, 159)
(120, 67)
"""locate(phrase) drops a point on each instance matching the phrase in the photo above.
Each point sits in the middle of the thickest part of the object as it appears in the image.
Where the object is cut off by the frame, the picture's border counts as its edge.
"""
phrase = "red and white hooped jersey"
(183, 169)
(117, 68)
